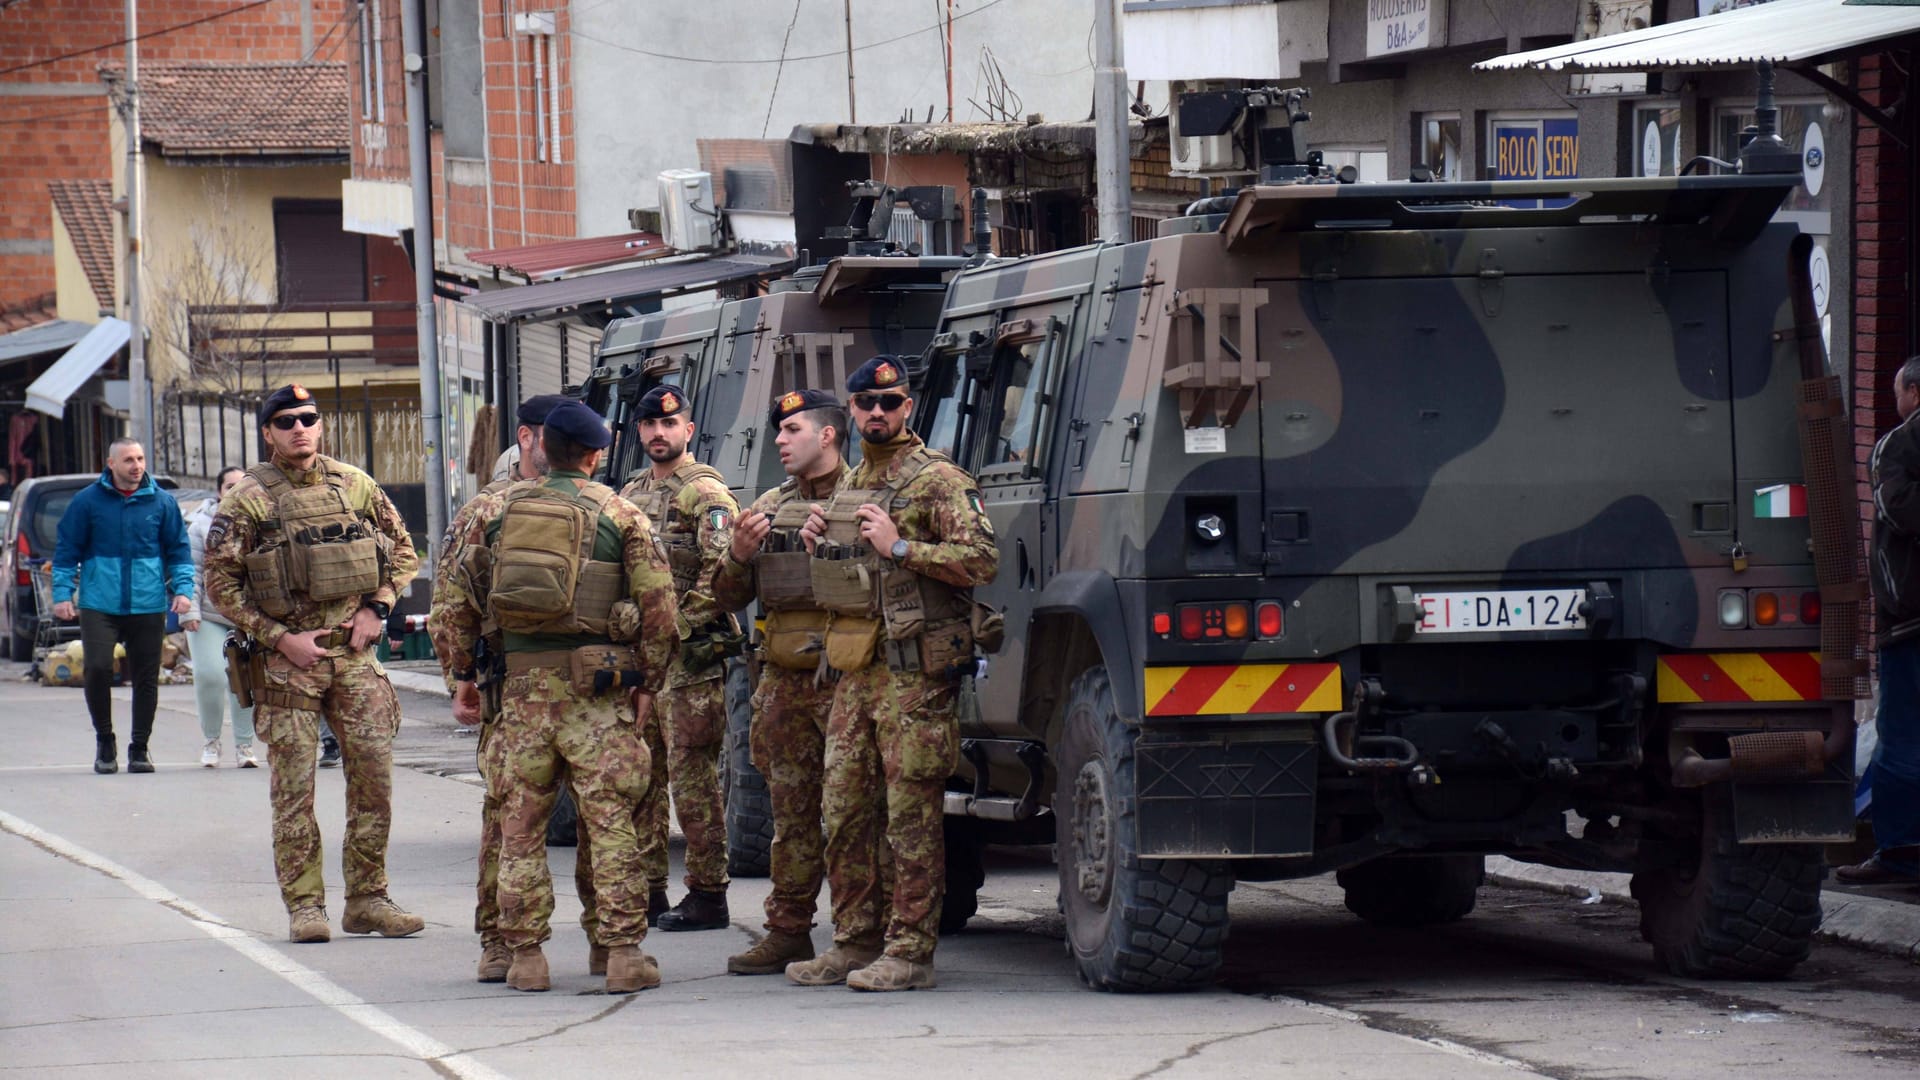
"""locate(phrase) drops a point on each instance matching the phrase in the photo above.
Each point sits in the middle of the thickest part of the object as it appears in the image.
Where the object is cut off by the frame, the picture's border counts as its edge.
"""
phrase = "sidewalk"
(419, 676)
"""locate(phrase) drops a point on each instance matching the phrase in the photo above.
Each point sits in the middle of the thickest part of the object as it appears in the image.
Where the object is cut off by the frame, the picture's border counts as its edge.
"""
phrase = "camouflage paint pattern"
(546, 734)
(356, 699)
(788, 738)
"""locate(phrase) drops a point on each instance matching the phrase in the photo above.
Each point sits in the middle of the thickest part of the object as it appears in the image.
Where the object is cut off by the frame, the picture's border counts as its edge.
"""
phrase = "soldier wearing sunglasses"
(896, 555)
(305, 558)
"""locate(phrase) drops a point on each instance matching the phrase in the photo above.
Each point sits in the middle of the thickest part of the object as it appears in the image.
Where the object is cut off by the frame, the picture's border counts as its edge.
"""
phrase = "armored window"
(1023, 380)
(1013, 430)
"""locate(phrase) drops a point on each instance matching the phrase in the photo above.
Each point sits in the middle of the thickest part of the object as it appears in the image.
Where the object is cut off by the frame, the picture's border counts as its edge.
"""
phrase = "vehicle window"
(948, 390)
(47, 512)
(1015, 411)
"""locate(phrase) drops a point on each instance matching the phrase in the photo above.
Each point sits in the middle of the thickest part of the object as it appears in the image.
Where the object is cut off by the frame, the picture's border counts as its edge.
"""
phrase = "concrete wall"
(639, 114)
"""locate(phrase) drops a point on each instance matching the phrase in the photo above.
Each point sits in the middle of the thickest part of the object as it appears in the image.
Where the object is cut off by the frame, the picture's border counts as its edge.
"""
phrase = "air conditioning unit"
(1210, 155)
(688, 219)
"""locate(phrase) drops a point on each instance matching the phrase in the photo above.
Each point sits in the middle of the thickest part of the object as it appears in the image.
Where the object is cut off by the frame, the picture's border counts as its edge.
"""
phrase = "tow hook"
(1388, 753)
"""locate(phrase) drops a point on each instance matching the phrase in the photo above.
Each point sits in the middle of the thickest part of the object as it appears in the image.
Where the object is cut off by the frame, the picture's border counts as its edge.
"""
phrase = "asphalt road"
(141, 934)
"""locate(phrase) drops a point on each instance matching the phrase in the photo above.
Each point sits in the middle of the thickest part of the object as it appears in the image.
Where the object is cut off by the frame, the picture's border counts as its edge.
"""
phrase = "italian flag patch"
(1780, 501)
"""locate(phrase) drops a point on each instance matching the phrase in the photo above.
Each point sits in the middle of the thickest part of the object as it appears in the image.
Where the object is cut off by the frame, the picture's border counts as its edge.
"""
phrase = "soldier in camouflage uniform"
(560, 703)
(790, 701)
(692, 513)
(305, 557)
(905, 539)
(529, 462)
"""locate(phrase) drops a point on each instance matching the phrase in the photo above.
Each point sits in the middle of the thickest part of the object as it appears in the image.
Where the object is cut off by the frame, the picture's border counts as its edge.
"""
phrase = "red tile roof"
(219, 109)
(540, 261)
(27, 313)
(86, 208)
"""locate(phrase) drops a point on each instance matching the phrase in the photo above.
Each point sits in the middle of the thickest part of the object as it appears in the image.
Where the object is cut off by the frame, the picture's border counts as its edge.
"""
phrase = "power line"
(721, 61)
(137, 37)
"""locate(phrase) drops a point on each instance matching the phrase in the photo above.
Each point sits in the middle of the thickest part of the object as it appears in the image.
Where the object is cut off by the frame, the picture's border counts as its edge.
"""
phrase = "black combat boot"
(137, 760)
(698, 910)
(106, 758)
(656, 906)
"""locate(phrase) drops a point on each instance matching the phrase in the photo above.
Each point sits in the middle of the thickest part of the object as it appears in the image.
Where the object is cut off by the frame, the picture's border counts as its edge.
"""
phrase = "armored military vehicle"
(735, 359)
(1380, 528)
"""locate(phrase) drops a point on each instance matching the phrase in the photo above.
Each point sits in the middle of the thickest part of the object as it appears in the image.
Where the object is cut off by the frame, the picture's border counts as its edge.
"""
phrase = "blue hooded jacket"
(130, 551)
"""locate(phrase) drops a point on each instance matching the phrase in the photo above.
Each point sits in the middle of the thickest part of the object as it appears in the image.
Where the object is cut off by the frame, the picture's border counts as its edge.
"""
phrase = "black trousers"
(143, 636)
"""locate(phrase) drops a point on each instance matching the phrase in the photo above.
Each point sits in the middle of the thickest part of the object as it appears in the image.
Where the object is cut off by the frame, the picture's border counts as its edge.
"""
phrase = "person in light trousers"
(208, 635)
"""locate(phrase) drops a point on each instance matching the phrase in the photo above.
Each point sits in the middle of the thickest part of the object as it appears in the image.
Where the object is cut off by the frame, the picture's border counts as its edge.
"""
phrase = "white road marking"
(329, 993)
(1448, 1046)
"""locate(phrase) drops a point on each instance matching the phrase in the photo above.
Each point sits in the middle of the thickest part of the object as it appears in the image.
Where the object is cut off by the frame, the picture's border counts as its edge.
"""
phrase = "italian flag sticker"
(1780, 501)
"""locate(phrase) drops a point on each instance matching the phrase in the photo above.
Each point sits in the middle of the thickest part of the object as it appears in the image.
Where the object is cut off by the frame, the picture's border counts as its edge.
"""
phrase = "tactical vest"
(545, 578)
(796, 625)
(314, 543)
(679, 534)
(918, 622)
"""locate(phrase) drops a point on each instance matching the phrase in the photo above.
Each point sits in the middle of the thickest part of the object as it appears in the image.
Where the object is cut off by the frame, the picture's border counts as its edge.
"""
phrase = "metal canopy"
(555, 298)
(55, 336)
(1784, 32)
(49, 392)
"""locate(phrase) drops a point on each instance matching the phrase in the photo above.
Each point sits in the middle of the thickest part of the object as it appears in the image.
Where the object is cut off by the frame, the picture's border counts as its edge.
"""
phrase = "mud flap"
(1818, 812)
(1204, 799)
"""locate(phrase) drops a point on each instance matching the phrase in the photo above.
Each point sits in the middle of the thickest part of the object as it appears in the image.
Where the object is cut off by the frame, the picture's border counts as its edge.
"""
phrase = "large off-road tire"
(1412, 891)
(1736, 911)
(563, 828)
(1132, 923)
(749, 804)
(966, 872)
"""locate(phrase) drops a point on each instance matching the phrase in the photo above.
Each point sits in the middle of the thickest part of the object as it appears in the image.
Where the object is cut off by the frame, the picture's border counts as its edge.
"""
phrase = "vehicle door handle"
(1026, 570)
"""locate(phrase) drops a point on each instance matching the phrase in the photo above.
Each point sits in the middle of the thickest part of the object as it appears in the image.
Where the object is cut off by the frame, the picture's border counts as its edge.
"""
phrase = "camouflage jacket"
(461, 603)
(235, 533)
(733, 584)
(703, 508)
(449, 576)
(938, 514)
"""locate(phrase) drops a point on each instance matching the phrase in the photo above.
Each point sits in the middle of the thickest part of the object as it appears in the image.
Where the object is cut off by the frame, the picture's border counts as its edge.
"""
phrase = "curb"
(419, 682)
(1866, 922)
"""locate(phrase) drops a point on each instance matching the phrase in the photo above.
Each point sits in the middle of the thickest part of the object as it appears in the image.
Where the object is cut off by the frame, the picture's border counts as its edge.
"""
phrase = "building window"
(1522, 147)
(1439, 148)
(1370, 161)
(316, 260)
(1656, 139)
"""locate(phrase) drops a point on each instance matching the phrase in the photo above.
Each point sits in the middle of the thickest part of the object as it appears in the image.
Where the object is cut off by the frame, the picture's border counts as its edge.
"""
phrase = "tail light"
(1214, 622)
(1765, 609)
(1268, 618)
(1162, 623)
(21, 554)
(1810, 608)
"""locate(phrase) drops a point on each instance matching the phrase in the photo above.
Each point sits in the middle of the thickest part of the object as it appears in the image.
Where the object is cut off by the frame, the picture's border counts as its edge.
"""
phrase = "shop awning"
(552, 299)
(1785, 32)
(49, 392)
(58, 335)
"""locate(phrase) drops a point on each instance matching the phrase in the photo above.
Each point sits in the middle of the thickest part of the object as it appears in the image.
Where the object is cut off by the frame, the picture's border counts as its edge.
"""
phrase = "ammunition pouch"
(795, 639)
(851, 640)
(267, 582)
(842, 580)
(338, 568)
(943, 650)
(785, 580)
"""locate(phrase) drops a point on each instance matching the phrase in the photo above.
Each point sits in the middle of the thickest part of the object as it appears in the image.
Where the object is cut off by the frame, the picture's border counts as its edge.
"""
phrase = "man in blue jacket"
(125, 541)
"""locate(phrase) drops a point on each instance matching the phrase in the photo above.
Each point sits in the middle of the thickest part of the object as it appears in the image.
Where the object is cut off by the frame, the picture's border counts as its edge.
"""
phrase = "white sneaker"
(243, 756)
(210, 754)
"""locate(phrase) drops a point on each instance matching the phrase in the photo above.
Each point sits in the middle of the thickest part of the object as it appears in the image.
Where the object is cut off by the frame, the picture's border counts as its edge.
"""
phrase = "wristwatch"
(899, 549)
(379, 609)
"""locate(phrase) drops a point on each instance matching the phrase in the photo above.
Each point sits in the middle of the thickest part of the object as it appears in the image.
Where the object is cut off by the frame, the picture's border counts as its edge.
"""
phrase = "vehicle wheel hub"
(1092, 834)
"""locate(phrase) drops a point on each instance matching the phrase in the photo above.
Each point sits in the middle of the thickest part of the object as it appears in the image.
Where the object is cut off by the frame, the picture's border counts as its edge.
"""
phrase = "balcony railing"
(381, 331)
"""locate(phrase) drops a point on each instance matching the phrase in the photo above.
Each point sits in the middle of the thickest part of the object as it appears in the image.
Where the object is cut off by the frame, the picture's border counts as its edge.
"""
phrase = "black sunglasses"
(869, 402)
(285, 421)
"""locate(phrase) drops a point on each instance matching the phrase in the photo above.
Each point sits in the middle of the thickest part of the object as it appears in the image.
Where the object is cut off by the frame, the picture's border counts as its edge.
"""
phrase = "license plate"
(1499, 611)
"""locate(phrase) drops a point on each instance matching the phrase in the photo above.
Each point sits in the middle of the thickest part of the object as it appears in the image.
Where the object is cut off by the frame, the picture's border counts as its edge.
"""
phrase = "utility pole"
(420, 172)
(1113, 152)
(853, 114)
(139, 402)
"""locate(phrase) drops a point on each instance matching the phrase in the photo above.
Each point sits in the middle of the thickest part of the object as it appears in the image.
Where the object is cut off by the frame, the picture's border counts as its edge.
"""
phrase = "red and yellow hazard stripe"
(1742, 676)
(1223, 689)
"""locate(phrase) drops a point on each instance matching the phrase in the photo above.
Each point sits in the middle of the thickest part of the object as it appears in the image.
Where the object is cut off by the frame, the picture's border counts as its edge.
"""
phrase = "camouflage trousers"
(544, 727)
(892, 741)
(789, 748)
(486, 907)
(649, 828)
(353, 692)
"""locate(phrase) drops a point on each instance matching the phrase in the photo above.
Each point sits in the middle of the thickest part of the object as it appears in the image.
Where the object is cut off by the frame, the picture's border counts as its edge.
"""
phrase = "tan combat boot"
(831, 967)
(892, 973)
(308, 924)
(596, 959)
(376, 912)
(495, 959)
(630, 970)
(772, 954)
(529, 970)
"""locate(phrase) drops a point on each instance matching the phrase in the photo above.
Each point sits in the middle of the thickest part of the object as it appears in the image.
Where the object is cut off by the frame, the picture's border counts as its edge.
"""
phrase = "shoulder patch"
(217, 531)
(973, 500)
(718, 519)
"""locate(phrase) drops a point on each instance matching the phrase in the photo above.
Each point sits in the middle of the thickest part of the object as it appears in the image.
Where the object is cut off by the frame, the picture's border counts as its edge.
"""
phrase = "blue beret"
(533, 411)
(800, 401)
(661, 401)
(290, 396)
(883, 372)
(579, 423)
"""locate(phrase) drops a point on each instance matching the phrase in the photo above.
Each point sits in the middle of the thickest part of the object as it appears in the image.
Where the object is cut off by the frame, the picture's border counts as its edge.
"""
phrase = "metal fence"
(374, 426)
